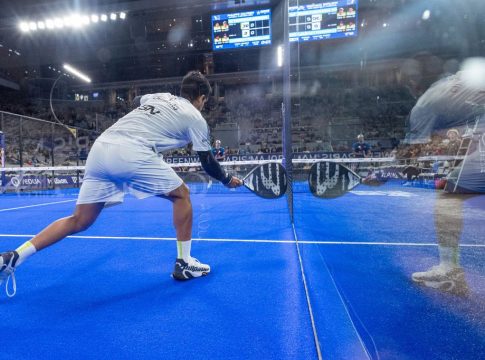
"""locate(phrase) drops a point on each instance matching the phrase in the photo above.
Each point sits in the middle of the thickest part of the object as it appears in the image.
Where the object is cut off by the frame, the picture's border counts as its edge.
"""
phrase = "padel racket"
(268, 180)
(330, 179)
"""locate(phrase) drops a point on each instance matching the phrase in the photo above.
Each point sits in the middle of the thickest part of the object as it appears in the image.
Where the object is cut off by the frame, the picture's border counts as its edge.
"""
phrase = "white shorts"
(112, 170)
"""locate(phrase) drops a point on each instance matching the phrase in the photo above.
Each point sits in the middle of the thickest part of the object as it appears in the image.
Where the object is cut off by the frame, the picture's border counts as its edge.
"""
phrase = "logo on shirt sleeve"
(149, 108)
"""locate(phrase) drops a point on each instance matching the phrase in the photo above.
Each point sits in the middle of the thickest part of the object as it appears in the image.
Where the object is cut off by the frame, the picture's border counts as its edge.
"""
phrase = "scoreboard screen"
(241, 30)
(323, 20)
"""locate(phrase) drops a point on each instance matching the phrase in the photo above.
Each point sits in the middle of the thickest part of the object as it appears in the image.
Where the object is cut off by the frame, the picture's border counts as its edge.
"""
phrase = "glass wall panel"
(390, 224)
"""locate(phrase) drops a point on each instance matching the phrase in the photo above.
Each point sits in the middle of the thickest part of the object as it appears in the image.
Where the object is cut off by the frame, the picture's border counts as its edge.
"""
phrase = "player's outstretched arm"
(212, 167)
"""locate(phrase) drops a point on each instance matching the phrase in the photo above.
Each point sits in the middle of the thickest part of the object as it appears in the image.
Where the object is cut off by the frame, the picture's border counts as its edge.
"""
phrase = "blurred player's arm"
(141, 99)
(137, 101)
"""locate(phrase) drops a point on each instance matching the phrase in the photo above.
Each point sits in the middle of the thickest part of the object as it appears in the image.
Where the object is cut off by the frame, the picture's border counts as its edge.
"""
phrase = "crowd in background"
(325, 118)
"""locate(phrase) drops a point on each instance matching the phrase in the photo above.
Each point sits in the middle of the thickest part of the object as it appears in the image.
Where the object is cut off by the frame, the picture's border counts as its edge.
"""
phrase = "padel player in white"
(125, 159)
(454, 102)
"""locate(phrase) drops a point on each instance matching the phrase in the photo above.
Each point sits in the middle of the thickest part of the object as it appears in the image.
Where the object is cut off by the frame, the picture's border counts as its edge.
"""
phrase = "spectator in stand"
(218, 151)
(394, 141)
(453, 143)
(361, 149)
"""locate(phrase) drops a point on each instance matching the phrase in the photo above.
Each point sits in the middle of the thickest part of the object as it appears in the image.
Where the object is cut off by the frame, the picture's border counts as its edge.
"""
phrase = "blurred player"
(125, 159)
(451, 105)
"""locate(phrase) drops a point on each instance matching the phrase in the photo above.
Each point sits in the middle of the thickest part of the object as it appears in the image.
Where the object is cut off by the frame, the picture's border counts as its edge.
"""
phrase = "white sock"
(449, 257)
(183, 249)
(26, 250)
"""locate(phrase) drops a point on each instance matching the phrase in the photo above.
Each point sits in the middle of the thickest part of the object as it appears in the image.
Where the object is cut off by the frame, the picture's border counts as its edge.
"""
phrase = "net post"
(286, 110)
(2, 160)
(52, 144)
(21, 141)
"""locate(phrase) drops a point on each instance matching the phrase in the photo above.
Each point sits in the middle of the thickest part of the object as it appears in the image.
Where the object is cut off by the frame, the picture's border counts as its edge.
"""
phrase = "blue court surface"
(338, 283)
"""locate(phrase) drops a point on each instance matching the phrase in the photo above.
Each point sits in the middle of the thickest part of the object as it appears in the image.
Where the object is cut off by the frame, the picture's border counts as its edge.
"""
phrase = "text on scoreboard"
(243, 29)
(325, 20)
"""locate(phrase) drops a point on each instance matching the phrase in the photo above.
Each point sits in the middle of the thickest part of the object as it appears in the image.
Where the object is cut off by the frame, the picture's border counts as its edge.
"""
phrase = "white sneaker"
(443, 278)
(188, 270)
(8, 260)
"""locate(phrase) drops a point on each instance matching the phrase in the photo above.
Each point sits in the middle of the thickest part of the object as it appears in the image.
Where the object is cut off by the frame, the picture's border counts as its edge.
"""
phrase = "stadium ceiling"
(140, 47)
(159, 38)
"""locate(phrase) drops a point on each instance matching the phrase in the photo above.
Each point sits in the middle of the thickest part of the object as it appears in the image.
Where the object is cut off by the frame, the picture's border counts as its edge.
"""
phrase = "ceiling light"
(24, 27)
(426, 14)
(49, 23)
(58, 23)
(68, 21)
(75, 21)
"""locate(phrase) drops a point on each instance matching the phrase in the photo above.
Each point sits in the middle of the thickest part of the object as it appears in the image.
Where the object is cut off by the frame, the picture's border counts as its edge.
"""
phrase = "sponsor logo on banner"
(42, 181)
(15, 181)
(251, 157)
(59, 181)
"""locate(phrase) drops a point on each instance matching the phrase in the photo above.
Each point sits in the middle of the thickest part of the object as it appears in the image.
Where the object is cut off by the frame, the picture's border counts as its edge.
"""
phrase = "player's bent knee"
(182, 192)
(185, 190)
(81, 223)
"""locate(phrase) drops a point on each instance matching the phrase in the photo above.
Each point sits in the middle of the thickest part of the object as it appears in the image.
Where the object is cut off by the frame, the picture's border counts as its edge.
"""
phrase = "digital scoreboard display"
(241, 30)
(323, 20)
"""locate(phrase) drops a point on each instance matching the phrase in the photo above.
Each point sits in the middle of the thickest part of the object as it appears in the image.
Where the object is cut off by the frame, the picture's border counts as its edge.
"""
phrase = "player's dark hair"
(194, 84)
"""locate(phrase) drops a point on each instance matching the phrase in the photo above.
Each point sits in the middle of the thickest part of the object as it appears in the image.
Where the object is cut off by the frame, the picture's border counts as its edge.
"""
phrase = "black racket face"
(268, 181)
(330, 180)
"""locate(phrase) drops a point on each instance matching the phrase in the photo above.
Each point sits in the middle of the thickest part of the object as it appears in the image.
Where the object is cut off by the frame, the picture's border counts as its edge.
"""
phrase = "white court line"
(316, 242)
(307, 295)
(379, 243)
(157, 238)
(36, 205)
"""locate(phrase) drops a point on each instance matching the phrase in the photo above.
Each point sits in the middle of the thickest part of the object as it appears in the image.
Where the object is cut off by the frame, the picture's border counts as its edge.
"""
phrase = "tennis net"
(58, 179)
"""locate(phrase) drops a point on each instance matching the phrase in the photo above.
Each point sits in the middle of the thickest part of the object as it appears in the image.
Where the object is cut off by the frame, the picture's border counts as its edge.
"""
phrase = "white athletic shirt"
(162, 121)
